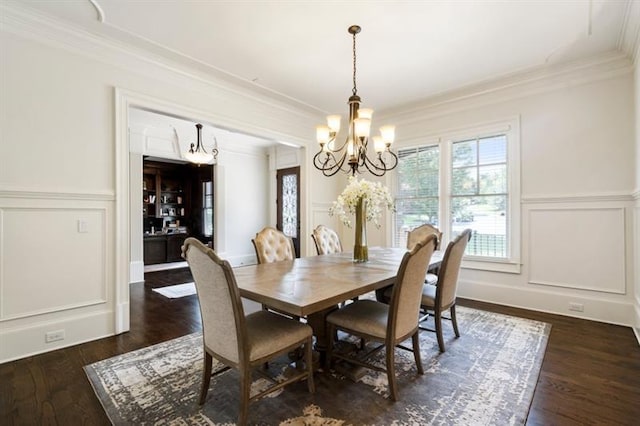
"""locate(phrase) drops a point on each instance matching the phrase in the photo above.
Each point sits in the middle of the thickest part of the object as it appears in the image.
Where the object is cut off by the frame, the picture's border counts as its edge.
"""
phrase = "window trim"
(445, 139)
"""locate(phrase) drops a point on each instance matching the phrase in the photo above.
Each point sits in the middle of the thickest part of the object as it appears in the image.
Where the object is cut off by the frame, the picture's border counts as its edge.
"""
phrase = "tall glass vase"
(360, 249)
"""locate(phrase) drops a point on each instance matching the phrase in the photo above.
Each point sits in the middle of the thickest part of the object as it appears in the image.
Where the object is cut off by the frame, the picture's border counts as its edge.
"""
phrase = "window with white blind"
(465, 180)
(417, 193)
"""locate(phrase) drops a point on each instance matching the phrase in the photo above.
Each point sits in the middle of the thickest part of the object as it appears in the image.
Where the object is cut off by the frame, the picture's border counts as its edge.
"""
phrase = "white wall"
(61, 157)
(636, 228)
(577, 175)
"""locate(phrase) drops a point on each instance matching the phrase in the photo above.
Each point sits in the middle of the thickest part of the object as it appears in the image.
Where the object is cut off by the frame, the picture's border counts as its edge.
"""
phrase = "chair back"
(326, 240)
(219, 299)
(420, 232)
(273, 246)
(404, 307)
(450, 269)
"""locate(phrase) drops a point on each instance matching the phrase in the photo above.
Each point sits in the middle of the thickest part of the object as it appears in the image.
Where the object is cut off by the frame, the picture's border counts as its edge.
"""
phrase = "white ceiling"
(407, 50)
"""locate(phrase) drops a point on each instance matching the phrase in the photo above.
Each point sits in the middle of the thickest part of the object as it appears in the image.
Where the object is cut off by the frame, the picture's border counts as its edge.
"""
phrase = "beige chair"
(239, 341)
(417, 234)
(272, 245)
(326, 240)
(439, 298)
(388, 324)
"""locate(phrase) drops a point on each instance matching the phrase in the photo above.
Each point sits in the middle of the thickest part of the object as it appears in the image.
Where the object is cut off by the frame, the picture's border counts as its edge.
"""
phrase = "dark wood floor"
(590, 374)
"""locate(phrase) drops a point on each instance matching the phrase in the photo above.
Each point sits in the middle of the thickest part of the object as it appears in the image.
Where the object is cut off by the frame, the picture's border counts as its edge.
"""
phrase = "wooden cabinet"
(163, 248)
(166, 195)
(155, 249)
(177, 203)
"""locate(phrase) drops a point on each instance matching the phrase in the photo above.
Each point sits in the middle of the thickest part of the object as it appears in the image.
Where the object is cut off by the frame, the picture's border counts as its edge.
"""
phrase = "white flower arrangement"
(374, 194)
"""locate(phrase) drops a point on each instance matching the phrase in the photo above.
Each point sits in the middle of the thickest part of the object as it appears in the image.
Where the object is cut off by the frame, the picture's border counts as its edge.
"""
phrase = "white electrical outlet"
(83, 226)
(54, 336)
(578, 307)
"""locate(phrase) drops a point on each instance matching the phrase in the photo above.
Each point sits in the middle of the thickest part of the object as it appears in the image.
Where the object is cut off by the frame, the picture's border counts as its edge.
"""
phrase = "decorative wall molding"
(101, 276)
(57, 195)
(579, 198)
(630, 34)
(575, 259)
(98, 9)
(513, 86)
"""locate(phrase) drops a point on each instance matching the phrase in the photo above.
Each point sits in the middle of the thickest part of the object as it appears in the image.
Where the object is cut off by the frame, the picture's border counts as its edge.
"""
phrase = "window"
(417, 193)
(465, 180)
(207, 208)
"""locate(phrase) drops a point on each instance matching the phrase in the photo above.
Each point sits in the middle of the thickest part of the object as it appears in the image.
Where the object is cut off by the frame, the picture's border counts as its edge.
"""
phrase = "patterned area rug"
(486, 377)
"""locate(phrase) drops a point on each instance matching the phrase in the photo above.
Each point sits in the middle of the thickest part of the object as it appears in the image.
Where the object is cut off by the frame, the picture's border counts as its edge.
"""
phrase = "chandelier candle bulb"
(333, 121)
(322, 134)
(388, 134)
(378, 144)
(363, 127)
(365, 113)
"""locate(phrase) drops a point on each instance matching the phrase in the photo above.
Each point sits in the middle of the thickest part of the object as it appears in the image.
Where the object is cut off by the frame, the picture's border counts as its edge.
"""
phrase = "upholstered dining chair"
(272, 245)
(326, 240)
(235, 340)
(389, 324)
(417, 234)
(438, 299)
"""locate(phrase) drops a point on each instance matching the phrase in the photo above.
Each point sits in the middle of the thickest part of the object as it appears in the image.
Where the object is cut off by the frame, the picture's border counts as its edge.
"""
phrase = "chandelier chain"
(355, 90)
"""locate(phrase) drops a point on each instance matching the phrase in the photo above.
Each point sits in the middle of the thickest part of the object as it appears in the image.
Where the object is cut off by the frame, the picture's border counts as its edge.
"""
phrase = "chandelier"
(351, 155)
(197, 154)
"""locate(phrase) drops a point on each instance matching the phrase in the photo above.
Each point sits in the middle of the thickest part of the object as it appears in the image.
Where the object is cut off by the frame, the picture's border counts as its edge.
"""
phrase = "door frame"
(128, 161)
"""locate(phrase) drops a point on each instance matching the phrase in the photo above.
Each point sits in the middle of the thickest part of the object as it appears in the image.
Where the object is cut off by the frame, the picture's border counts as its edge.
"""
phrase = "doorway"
(288, 204)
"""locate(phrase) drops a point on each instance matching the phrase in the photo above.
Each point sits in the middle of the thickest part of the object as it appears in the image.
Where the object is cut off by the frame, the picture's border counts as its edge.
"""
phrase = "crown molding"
(629, 40)
(28, 23)
(579, 198)
(514, 86)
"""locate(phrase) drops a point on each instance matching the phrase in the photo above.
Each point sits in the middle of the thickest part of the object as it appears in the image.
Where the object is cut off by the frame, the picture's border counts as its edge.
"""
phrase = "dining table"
(314, 286)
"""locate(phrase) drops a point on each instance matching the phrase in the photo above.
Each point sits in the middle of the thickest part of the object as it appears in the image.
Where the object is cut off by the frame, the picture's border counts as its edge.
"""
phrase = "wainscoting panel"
(581, 248)
(65, 250)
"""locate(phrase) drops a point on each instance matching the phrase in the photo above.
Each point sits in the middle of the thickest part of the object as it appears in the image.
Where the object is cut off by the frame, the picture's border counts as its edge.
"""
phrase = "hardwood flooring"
(590, 374)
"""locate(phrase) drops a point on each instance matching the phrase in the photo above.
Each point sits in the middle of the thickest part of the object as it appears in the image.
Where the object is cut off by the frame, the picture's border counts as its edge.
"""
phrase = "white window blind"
(417, 191)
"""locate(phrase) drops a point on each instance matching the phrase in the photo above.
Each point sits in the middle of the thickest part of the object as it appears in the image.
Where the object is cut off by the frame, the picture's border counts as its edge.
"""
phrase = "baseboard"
(545, 300)
(636, 324)
(27, 341)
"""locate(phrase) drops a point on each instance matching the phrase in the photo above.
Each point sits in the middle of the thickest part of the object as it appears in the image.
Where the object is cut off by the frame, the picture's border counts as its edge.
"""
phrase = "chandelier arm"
(335, 168)
(370, 165)
(330, 166)
(374, 170)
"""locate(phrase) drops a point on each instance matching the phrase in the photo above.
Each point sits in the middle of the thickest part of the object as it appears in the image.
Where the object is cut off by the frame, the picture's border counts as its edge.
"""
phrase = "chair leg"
(391, 372)
(438, 321)
(309, 361)
(206, 377)
(245, 391)
(416, 351)
(454, 321)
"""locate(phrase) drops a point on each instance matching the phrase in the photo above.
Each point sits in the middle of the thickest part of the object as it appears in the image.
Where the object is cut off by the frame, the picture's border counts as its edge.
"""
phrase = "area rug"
(485, 377)
(176, 291)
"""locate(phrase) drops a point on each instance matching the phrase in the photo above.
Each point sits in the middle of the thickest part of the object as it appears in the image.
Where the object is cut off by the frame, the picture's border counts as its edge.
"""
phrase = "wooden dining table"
(313, 286)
